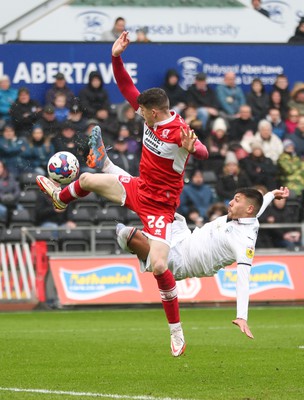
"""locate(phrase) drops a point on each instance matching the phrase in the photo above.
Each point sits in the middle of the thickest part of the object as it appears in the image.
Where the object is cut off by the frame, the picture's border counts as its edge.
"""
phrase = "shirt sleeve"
(201, 152)
(267, 199)
(242, 291)
(124, 82)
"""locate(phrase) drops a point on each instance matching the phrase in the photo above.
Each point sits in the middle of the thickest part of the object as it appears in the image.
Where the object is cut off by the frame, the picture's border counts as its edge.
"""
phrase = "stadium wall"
(35, 64)
(117, 280)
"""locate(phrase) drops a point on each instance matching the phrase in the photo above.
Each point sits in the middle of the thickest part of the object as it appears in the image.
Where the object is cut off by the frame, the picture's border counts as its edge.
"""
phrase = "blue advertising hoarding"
(35, 64)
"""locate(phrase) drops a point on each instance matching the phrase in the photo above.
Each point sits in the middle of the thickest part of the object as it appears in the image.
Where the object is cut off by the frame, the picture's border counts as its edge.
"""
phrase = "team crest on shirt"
(165, 134)
(249, 252)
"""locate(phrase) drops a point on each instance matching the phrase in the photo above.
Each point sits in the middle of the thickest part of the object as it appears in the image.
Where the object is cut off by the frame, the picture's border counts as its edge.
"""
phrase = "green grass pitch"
(125, 354)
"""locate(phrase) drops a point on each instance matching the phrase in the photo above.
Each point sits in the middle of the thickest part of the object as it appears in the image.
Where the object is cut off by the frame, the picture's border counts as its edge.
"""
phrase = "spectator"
(9, 193)
(258, 99)
(38, 151)
(76, 117)
(191, 118)
(174, 91)
(133, 145)
(216, 210)
(11, 148)
(260, 169)
(94, 98)
(124, 159)
(202, 96)
(48, 122)
(292, 120)
(242, 124)
(118, 28)
(297, 97)
(61, 109)
(232, 178)
(217, 144)
(8, 96)
(278, 126)
(298, 37)
(24, 112)
(128, 117)
(194, 218)
(256, 4)
(298, 138)
(230, 96)
(281, 84)
(276, 101)
(196, 194)
(272, 145)
(279, 212)
(291, 168)
(59, 86)
(141, 35)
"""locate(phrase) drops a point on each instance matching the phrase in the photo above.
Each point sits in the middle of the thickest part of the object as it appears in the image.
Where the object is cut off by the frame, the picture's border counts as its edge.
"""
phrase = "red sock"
(168, 293)
(71, 192)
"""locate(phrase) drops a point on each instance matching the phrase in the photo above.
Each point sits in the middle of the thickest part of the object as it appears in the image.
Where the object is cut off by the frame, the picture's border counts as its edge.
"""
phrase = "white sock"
(110, 168)
(172, 327)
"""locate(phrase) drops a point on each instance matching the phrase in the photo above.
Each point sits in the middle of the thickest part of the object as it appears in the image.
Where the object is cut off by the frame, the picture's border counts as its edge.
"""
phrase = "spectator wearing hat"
(271, 144)
(24, 112)
(260, 169)
(77, 119)
(231, 178)
(175, 93)
(8, 96)
(123, 158)
(298, 138)
(202, 96)
(48, 122)
(291, 168)
(59, 86)
(297, 97)
(217, 145)
(298, 37)
(230, 96)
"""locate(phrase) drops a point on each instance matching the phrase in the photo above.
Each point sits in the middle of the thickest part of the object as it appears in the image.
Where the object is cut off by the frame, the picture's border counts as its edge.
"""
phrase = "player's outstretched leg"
(52, 190)
(98, 155)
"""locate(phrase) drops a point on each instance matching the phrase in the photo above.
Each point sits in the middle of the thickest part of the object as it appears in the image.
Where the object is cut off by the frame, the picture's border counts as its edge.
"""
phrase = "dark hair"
(254, 195)
(154, 98)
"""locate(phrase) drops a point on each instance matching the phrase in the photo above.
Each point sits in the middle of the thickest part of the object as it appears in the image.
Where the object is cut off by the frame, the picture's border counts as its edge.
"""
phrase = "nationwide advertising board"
(35, 65)
(118, 281)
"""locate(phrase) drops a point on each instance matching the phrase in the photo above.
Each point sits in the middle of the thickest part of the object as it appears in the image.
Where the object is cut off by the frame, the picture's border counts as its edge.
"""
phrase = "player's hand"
(188, 138)
(242, 324)
(281, 193)
(120, 44)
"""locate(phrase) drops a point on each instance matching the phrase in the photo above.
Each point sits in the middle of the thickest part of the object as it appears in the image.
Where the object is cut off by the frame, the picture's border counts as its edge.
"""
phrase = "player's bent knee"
(86, 181)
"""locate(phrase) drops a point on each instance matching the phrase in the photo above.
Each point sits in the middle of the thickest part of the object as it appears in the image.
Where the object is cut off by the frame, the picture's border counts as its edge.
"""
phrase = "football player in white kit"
(217, 244)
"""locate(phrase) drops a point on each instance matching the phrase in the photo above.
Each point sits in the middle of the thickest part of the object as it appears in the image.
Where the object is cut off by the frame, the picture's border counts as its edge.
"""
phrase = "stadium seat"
(19, 218)
(105, 241)
(73, 240)
(27, 181)
(82, 216)
(109, 216)
(28, 201)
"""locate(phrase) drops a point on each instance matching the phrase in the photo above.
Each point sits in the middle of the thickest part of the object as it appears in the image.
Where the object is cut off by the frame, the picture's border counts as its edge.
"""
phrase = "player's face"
(238, 207)
(149, 115)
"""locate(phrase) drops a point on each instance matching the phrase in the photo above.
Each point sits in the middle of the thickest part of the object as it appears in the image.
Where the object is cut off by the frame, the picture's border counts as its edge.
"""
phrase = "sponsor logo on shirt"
(263, 277)
(249, 252)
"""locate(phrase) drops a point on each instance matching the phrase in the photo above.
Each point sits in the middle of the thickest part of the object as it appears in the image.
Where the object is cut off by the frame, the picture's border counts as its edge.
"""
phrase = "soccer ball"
(63, 167)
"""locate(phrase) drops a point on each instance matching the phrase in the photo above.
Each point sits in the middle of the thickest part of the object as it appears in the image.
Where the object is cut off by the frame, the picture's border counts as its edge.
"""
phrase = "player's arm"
(191, 143)
(242, 289)
(123, 79)
(281, 193)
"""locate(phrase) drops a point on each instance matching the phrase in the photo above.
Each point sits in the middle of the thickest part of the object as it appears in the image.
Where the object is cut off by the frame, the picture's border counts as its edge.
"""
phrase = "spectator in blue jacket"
(230, 96)
(196, 194)
(11, 148)
(8, 96)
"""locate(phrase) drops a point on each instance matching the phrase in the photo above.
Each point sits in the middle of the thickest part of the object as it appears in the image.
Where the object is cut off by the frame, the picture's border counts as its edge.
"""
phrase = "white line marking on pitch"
(87, 394)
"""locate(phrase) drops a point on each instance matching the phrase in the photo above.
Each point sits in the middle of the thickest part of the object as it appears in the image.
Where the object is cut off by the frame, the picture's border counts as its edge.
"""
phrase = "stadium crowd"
(254, 138)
